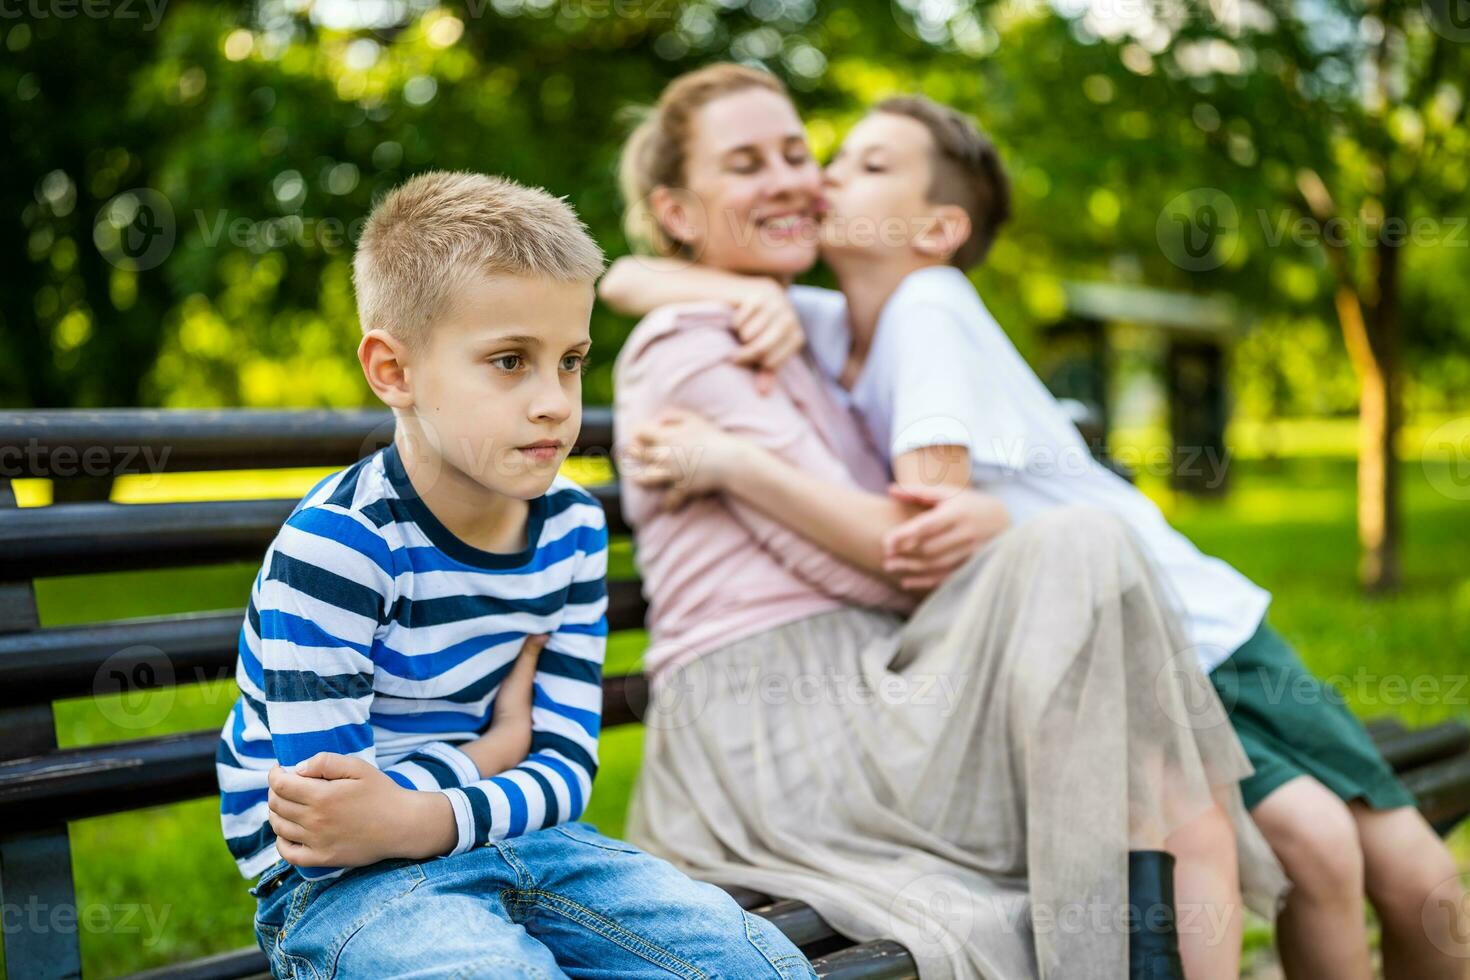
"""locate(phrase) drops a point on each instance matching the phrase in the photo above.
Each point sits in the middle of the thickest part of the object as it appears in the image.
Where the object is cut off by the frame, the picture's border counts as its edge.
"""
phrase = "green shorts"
(1292, 724)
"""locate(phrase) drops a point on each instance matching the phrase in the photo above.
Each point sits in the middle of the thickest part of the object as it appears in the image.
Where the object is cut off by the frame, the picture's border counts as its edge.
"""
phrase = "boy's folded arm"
(326, 589)
(505, 743)
(553, 783)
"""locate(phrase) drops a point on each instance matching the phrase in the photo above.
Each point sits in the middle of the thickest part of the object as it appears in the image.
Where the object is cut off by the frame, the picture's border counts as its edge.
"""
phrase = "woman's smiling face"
(753, 187)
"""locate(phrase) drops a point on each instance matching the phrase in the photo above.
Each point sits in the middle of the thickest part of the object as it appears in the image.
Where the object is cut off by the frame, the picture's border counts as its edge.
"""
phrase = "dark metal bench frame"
(42, 787)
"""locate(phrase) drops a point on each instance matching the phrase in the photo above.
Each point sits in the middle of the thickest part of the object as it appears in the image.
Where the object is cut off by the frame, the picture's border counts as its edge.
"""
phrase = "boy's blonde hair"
(967, 171)
(435, 232)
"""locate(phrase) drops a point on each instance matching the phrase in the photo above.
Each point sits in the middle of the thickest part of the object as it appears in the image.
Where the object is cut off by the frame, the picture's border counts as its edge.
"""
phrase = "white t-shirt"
(941, 371)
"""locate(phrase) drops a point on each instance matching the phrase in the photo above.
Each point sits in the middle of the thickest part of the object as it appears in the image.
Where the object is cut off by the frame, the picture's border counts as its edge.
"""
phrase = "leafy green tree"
(184, 184)
(1339, 130)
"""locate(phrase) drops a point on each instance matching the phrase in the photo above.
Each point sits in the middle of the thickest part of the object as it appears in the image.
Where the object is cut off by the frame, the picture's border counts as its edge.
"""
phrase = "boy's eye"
(574, 362)
(507, 362)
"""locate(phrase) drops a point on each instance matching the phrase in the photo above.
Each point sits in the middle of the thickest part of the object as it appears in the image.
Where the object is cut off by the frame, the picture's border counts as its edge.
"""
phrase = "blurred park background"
(1237, 220)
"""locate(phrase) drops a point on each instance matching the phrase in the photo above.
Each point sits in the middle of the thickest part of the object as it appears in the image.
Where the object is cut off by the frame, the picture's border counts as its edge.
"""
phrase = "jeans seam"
(332, 951)
(295, 907)
(610, 930)
(779, 964)
(535, 972)
(365, 918)
(617, 847)
(524, 878)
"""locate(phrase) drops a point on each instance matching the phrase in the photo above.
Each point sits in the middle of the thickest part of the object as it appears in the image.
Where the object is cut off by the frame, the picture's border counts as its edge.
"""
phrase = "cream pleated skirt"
(968, 782)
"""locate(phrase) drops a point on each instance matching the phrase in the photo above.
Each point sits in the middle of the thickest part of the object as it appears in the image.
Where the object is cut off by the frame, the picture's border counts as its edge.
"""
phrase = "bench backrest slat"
(118, 441)
(86, 538)
(133, 655)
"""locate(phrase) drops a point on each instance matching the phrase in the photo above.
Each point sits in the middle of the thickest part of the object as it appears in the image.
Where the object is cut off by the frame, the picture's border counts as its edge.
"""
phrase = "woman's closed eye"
(743, 162)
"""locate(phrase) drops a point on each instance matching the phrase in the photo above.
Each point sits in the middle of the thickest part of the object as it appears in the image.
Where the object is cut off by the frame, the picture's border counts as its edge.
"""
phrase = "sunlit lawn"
(1289, 526)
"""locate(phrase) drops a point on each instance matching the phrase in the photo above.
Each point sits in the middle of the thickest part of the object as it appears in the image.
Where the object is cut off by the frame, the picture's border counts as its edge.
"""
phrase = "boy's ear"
(948, 228)
(678, 213)
(385, 365)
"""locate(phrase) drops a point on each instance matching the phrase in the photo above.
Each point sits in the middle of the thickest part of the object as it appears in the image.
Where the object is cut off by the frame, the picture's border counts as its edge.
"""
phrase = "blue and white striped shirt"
(372, 631)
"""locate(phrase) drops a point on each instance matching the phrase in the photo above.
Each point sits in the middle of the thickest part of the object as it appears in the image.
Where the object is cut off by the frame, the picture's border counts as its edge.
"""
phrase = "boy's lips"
(546, 449)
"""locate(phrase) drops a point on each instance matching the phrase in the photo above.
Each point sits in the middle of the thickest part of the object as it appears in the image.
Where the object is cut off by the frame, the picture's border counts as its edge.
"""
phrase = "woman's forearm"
(639, 284)
(844, 520)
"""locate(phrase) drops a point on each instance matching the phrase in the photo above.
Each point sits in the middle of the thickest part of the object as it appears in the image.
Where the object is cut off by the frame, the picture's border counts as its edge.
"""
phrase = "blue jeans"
(562, 902)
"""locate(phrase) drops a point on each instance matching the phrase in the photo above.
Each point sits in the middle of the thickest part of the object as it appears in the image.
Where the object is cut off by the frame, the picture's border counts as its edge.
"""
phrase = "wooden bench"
(42, 787)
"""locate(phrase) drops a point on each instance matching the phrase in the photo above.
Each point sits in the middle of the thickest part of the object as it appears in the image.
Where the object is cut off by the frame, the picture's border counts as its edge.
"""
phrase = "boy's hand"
(927, 548)
(341, 812)
(769, 331)
(507, 741)
(685, 454)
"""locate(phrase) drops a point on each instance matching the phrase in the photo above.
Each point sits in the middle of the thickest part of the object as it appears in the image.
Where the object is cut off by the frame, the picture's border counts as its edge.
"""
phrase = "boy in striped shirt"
(420, 663)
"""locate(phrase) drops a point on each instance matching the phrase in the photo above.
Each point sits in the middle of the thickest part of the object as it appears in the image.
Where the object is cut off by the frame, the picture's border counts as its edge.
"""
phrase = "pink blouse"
(716, 570)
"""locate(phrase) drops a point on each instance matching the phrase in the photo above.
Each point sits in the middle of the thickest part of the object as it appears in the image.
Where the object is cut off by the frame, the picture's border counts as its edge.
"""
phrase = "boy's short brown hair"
(967, 171)
(434, 232)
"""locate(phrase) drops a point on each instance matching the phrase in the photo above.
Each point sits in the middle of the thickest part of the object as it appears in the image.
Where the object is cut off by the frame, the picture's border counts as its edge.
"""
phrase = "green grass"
(1288, 526)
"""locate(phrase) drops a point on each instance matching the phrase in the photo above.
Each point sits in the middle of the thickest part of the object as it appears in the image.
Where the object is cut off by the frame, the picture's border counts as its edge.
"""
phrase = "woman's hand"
(768, 329)
(927, 548)
(340, 811)
(763, 319)
(684, 454)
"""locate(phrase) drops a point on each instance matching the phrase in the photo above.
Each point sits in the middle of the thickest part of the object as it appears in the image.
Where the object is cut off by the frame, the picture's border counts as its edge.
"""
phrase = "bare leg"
(1321, 932)
(1414, 886)
(1207, 895)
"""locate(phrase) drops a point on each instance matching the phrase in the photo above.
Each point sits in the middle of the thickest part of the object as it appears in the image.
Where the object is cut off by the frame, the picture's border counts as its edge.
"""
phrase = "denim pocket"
(586, 834)
(270, 879)
(279, 898)
(272, 895)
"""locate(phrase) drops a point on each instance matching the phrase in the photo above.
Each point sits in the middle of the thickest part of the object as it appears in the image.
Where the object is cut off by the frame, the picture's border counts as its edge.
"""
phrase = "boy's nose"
(551, 404)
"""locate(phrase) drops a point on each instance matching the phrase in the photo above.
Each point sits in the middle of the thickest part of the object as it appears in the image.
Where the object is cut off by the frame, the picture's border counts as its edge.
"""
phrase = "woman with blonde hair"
(985, 764)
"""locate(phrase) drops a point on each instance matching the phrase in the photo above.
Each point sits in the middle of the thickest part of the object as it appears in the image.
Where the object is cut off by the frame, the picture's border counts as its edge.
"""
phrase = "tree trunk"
(1370, 331)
